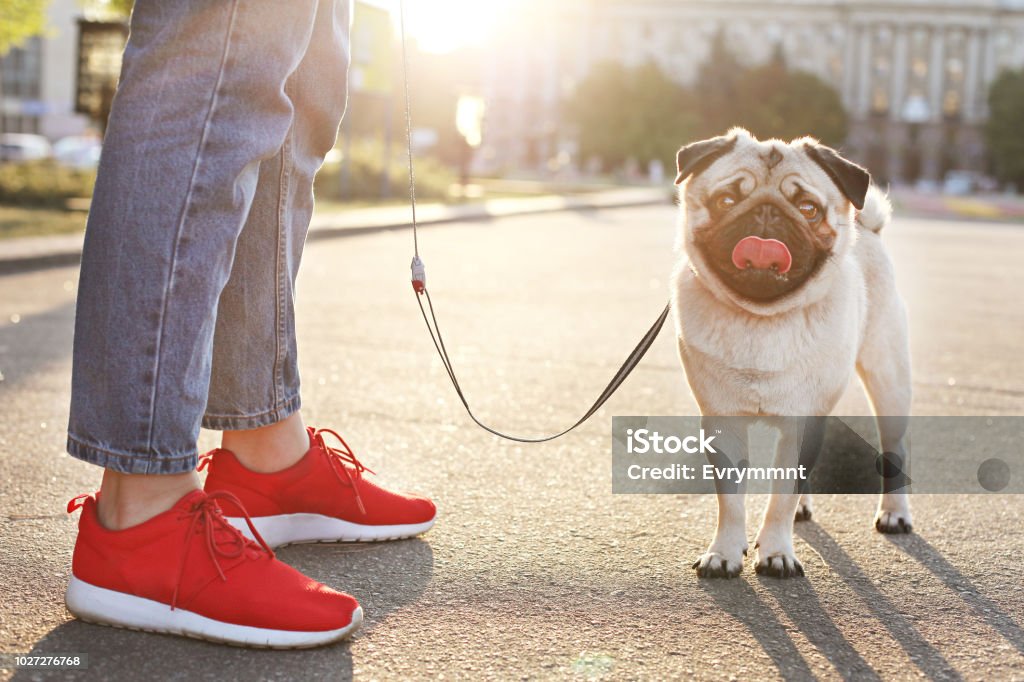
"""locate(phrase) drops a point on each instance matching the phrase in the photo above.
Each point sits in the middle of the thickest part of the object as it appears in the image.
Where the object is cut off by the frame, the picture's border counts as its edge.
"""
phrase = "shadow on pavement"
(919, 548)
(926, 657)
(801, 603)
(738, 598)
(383, 576)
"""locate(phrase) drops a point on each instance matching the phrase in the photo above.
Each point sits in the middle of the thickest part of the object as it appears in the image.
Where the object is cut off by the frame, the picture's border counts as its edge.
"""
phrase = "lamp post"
(469, 117)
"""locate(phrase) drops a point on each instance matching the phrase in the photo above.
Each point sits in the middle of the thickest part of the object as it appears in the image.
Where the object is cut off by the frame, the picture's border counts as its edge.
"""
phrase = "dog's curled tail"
(876, 212)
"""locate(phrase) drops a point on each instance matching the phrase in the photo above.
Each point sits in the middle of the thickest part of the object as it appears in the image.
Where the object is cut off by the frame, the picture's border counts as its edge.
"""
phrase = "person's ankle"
(271, 448)
(126, 500)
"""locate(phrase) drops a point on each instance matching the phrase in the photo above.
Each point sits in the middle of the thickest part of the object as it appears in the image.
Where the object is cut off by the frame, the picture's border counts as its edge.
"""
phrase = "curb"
(327, 227)
(58, 259)
(326, 231)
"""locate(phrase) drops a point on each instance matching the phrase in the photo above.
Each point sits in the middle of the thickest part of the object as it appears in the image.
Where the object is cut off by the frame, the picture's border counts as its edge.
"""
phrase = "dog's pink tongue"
(761, 254)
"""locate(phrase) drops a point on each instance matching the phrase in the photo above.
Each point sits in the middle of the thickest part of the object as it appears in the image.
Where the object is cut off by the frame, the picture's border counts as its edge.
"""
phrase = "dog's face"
(763, 220)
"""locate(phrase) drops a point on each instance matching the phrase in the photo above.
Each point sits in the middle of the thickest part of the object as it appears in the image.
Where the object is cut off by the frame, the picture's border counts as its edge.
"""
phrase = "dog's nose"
(762, 254)
(764, 217)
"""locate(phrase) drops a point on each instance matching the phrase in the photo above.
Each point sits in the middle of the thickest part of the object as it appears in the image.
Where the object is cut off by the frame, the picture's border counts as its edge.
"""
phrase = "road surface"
(535, 570)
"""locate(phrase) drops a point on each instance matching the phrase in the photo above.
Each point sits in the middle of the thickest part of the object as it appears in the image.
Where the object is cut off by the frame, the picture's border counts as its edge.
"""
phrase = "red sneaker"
(321, 498)
(190, 572)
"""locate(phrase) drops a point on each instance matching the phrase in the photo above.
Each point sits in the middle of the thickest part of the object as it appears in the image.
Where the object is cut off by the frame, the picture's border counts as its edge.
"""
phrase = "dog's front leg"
(724, 557)
(775, 554)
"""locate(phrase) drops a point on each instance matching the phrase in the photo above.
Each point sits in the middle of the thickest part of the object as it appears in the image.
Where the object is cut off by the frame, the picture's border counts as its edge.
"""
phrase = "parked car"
(78, 151)
(24, 147)
(959, 182)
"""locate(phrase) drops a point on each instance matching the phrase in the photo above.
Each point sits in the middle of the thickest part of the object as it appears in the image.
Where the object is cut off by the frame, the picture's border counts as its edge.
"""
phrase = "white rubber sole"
(287, 529)
(108, 607)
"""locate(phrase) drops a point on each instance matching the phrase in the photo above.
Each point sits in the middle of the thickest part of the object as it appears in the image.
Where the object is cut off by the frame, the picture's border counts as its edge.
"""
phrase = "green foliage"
(623, 113)
(122, 7)
(43, 183)
(770, 100)
(20, 20)
(366, 166)
(642, 114)
(718, 89)
(50, 185)
(1004, 132)
(17, 221)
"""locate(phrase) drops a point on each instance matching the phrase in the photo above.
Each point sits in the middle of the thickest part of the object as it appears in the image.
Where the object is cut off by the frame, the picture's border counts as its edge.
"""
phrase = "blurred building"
(913, 75)
(37, 79)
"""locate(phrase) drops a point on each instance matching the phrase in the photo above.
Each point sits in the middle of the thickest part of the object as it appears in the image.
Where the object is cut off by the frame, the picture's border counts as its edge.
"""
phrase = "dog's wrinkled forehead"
(741, 162)
(772, 164)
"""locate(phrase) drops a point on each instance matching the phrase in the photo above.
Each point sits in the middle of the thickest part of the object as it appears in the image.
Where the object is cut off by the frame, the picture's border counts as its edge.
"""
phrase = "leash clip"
(419, 275)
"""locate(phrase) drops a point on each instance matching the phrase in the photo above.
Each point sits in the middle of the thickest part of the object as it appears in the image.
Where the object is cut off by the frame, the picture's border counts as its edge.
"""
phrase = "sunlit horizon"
(441, 26)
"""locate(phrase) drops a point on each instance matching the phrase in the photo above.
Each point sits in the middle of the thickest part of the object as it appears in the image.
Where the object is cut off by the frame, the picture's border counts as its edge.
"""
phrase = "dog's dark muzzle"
(763, 253)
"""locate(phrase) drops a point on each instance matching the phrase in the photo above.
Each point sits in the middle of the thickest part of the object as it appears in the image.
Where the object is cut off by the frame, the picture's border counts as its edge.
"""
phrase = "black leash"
(419, 285)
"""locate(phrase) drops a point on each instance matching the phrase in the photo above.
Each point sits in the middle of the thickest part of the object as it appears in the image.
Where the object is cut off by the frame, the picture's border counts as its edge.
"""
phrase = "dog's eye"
(725, 201)
(808, 209)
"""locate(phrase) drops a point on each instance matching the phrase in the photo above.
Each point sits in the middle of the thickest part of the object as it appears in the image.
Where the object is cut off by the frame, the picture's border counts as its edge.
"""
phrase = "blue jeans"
(224, 112)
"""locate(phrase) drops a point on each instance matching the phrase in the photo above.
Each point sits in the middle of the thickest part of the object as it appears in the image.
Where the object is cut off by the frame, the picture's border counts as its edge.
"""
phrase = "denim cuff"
(132, 463)
(242, 422)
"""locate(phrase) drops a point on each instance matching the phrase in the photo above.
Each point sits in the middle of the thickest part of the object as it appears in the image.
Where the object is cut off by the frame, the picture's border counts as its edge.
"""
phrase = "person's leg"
(131, 499)
(199, 107)
(297, 485)
(254, 389)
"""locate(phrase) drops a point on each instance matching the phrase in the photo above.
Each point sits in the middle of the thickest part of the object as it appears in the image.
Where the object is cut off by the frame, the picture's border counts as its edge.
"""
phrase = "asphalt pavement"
(535, 570)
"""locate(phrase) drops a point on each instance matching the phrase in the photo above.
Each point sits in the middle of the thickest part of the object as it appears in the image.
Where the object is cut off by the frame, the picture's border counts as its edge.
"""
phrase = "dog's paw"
(775, 555)
(717, 565)
(779, 565)
(890, 522)
(894, 514)
(804, 510)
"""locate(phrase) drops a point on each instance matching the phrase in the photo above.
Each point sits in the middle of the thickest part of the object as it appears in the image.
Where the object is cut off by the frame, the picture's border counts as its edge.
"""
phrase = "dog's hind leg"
(724, 557)
(884, 368)
(805, 509)
(813, 430)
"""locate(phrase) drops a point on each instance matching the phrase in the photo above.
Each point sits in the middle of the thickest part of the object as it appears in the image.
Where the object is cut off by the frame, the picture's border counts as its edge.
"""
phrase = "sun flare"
(447, 25)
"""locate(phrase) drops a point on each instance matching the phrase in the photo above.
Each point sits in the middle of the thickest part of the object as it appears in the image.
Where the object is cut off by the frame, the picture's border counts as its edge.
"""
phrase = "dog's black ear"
(850, 178)
(695, 157)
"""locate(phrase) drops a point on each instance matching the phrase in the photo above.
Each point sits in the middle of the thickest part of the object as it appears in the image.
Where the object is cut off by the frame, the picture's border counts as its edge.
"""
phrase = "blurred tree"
(123, 7)
(1004, 135)
(641, 113)
(622, 113)
(787, 104)
(20, 20)
(770, 100)
(718, 88)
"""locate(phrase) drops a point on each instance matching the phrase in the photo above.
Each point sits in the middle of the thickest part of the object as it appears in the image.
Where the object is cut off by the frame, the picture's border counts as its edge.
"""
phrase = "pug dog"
(782, 290)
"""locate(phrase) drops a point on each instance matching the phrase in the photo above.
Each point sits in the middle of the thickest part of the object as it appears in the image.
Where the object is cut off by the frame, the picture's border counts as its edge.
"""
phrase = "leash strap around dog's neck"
(419, 285)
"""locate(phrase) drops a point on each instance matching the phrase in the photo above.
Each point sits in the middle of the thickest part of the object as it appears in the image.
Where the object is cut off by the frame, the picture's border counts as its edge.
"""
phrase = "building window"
(915, 106)
(20, 75)
(956, 57)
(951, 104)
(881, 71)
(880, 101)
(20, 69)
